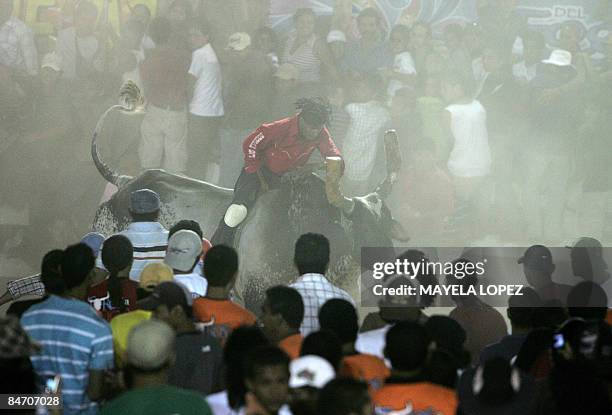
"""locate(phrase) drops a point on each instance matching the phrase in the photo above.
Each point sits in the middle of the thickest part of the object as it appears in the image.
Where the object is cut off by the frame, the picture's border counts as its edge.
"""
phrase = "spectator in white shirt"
(79, 47)
(403, 73)
(183, 254)
(470, 159)
(206, 108)
(17, 48)
(148, 236)
(533, 53)
(141, 13)
(363, 140)
(311, 257)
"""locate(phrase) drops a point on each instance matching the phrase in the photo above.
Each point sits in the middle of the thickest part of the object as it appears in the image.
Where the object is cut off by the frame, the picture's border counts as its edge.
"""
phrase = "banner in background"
(543, 15)
(547, 16)
(437, 12)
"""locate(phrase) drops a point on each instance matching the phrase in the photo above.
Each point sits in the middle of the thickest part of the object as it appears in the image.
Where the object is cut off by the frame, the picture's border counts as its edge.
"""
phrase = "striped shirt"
(74, 341)
(305, 59)
(315, 290)
(150, 240)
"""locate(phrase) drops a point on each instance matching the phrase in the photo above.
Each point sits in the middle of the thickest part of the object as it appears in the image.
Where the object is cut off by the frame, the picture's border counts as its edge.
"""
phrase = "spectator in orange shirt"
(221, 269)
(283, 312)
(340, 317)
(407, 347)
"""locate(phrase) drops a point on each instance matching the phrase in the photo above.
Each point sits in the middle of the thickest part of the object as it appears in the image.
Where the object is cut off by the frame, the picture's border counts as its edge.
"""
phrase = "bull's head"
(131, 101)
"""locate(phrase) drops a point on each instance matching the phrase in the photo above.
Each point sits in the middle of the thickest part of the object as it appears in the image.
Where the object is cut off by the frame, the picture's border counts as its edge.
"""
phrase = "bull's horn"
(394, 163)
(332, 185)
(130, 101)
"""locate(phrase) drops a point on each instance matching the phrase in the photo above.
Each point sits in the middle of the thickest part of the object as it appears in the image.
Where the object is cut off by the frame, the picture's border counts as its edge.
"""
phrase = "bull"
(266, 238)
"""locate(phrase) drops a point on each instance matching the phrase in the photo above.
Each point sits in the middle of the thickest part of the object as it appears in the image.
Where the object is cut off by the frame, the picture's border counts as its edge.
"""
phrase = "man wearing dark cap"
(273, 150)
(198, 364)
(149, 237)
(538, 267)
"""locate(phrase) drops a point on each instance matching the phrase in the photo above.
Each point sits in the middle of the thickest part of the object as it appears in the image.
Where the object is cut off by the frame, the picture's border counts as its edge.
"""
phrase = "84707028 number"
(28, 401)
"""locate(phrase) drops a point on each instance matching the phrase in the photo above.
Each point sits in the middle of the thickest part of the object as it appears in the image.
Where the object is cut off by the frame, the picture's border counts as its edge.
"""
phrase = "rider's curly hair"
(316, 111)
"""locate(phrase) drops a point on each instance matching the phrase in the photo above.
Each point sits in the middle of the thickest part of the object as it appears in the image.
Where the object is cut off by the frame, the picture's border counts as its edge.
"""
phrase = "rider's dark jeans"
(246, 190)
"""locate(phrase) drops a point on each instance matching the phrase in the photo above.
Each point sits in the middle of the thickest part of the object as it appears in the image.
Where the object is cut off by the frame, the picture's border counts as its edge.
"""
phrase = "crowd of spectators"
(173, 339)
(502, 134)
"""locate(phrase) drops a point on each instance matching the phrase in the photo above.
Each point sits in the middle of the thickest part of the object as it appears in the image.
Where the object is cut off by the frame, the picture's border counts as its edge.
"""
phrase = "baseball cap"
(144, 201)
(94, 240)
(495, 388)
(184, 247)
(287, 72)
(239, 41)
(336, 36)
(14, 341)
(150, 345)
(154, 274)
(170, 294)
(310, 370)
(537, 257)
(52, 61)
(559, 57)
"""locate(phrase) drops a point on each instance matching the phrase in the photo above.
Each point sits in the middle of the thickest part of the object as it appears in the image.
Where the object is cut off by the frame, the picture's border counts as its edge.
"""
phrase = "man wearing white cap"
(247, 93)
(336, 41)
(183, 254)
(52, 118)
(150, 354)
(48, 145)
(554, 120)
(309, 374)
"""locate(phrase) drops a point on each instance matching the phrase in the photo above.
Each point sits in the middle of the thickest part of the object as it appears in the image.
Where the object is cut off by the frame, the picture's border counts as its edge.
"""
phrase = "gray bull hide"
(266, 238)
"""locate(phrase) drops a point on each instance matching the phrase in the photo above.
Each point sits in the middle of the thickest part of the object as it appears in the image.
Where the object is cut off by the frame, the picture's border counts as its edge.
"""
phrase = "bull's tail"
(130, 101)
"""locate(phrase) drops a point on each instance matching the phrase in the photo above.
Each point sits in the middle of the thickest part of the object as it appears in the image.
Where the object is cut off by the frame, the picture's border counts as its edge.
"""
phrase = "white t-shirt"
(373, 341)
(195, 283)
(402, 64)
(523, 73)
(66, 47)
(471, 156)
(147, 43)
(207, 99)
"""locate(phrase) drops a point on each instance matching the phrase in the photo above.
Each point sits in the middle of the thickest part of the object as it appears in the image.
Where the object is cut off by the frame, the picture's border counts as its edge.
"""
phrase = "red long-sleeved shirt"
(278, 147)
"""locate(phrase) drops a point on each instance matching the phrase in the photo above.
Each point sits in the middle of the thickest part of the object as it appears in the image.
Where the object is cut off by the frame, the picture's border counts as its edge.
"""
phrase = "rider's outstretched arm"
(328, 148)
